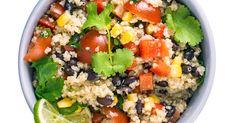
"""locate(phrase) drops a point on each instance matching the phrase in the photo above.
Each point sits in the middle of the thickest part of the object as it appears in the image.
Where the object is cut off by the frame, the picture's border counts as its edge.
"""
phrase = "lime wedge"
(44, 112)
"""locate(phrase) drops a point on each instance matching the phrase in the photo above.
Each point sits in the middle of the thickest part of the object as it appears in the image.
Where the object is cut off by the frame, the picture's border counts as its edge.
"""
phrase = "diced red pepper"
(101, 4)
(150, 49)
(44, 21)
(146, 81)
(133, 47)
(161, 68)
(68, 48)
(133, 66)
(56, 10)
(157, 106)
(159, 33)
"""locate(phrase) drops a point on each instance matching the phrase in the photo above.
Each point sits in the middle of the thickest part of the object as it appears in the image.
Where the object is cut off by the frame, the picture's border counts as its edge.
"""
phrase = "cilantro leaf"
(74, 41)
(101, 64)
(48, 87)
(46, 33)
(52, 90)
(94, 20)
(187, 28)
(121, 60)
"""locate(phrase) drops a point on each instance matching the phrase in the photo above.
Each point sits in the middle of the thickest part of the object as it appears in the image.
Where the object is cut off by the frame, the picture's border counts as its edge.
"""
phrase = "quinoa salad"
(123, 61)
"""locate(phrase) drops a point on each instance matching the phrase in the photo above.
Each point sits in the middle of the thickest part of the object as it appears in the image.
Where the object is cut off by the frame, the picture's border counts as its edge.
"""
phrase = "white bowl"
(199, 98)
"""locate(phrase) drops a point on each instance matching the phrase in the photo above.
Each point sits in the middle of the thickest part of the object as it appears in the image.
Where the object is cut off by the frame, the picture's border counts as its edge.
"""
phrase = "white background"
(14, 14)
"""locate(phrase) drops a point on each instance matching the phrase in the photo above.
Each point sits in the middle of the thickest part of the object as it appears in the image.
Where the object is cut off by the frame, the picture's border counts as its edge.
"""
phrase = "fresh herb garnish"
(119, 105)
(187, 28)
(121, 60)
(48, 87)
(135, 1)
(45, 33)
(74, 41)
(200, 80)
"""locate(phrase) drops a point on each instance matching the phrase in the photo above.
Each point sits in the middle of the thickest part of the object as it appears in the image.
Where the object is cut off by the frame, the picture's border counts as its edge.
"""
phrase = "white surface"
(13, 107)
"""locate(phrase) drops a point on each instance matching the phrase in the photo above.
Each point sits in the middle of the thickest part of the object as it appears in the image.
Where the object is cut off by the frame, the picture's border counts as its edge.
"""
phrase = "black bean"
(69, 6)
(73, 61)
(92, 76)
(195, 72)
(162, 91)
(129, 80)
(170, 110)
(186, 69)
(59, 55)
(147, 65)
(163, 103)
(162, 83)
(68, 70)
(175, 47)
(139, 107)
(189, 54)
(116, 80)
(106, 101)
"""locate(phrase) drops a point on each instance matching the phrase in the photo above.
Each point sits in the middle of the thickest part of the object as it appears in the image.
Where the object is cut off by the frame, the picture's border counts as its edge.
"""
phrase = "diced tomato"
(97, 117)
(159, 33)
(161, 68)
(146, 82)
(44, 21)
(68, 48)
(163, 49)
(150, 49)
(115, 115)
(133, 47)
(119, 10)
(144, 11)
(101, 4)
(91, 43)
(37, 51)
(133, 66)
(157, 106)
(56, 10)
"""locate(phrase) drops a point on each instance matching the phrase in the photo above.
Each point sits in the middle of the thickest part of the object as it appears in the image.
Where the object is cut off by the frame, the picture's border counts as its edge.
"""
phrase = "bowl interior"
(199, 98)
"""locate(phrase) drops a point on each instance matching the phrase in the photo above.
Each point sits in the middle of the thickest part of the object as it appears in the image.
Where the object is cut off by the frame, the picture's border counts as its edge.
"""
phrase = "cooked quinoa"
(150, 72)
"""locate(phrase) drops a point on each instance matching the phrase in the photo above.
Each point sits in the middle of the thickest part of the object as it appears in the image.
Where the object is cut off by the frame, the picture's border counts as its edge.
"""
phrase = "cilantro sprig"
(122, 59)
(187, 28)
(48, 87)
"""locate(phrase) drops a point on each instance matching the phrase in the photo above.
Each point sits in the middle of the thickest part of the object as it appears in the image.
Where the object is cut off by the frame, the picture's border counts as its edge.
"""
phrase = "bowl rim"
(212, 66)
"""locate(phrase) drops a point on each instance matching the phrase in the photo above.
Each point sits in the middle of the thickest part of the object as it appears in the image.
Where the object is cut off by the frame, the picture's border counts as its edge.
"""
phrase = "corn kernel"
(132, 97)
(127, 16)
(63, 19)
(126, 37)
(79, 109)
(177, 60)
(176, 71)
(64, 103)
(109, 26)
(115, 101)
(116, 30)
(154, 98)
(149, 104)
(150, 29)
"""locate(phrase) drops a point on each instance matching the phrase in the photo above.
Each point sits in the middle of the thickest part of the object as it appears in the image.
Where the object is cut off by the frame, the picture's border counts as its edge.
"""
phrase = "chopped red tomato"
(37, 51)
(150, 49)
(97, 117)
(56, 10)
(133, 47)
(101, 4)
(146, 81)
(157, 106)
(159, 33)
(144, 11)
(161, 68)
(91, 43)
(118, 11)
(115, 115)
(133, 66)
(44, 21)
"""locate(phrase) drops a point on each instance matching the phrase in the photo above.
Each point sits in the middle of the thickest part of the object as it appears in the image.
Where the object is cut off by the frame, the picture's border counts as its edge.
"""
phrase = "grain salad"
(124, 61)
